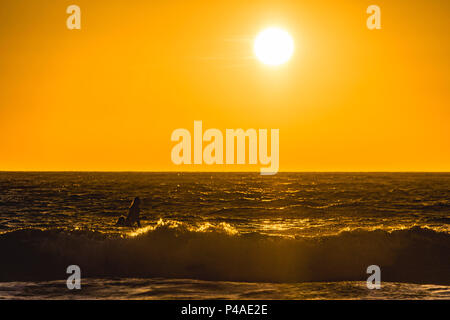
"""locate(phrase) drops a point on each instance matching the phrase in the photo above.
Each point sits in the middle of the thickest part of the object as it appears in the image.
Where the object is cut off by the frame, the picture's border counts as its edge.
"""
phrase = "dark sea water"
(226, 235)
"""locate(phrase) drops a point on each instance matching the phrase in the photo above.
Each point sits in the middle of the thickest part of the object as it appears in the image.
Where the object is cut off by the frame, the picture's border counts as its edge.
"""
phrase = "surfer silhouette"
(133, 215)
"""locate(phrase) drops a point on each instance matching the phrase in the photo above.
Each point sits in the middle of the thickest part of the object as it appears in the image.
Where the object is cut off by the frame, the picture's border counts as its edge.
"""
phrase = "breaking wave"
(219, 252)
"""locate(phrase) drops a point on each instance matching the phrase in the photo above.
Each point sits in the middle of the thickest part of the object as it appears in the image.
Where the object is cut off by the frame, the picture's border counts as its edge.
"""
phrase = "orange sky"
(108, 96)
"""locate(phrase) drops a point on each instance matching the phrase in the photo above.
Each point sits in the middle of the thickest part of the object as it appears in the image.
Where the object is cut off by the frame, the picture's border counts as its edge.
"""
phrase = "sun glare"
(273, 46)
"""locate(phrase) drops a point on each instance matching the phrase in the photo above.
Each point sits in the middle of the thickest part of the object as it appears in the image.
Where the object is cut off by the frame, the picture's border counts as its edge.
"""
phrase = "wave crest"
(218, 252)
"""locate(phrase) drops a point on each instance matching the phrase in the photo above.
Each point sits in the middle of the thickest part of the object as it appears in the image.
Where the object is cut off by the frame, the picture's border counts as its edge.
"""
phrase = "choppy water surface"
(182, 289)
(292, 235)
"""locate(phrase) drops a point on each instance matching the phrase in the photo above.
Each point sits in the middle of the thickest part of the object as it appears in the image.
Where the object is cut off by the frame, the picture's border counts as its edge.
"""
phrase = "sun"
(273, 46)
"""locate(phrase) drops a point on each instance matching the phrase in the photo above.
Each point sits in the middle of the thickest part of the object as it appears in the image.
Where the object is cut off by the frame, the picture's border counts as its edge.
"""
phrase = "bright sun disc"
(273, 46)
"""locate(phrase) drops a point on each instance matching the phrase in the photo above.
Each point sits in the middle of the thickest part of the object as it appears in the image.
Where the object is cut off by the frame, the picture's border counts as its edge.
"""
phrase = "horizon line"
(189, 171)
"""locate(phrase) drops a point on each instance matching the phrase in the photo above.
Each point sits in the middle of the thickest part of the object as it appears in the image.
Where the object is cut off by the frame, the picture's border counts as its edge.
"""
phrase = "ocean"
(225, 235)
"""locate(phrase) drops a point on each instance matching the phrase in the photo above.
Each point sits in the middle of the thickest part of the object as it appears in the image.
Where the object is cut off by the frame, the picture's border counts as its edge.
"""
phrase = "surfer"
(133, 215)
